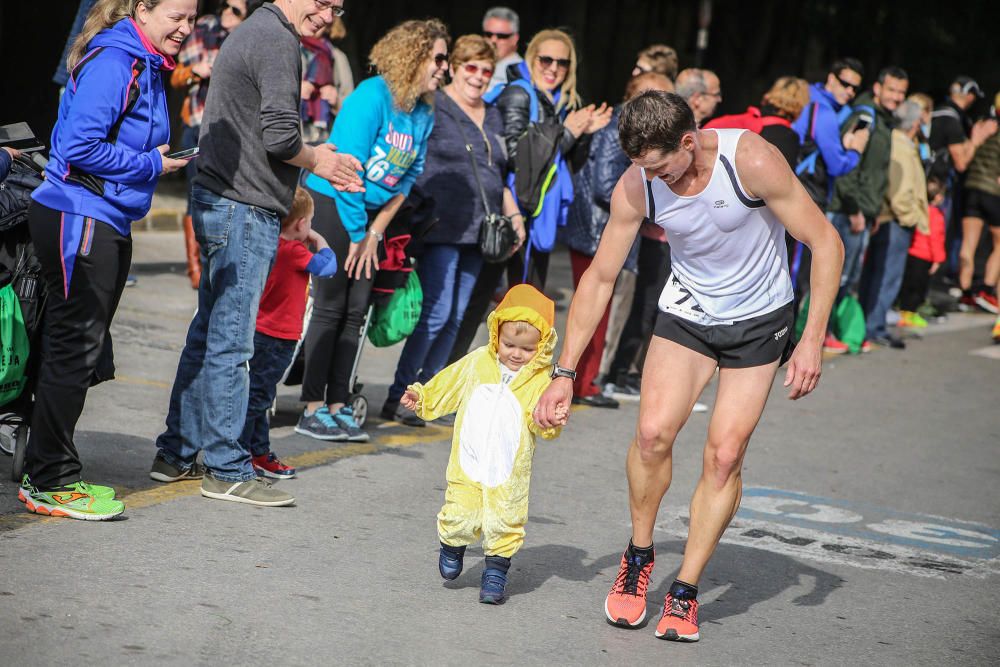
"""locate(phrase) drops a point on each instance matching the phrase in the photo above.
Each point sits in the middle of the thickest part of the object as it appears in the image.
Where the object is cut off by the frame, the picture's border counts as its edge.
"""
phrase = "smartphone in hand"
(188, 154)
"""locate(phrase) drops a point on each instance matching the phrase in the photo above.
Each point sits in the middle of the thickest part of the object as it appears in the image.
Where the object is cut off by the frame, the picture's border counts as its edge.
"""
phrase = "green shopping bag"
(14, 346)
(847, 322)
(398, 317)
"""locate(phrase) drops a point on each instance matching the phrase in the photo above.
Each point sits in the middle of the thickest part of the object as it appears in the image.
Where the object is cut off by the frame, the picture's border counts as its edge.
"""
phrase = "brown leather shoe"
(193, 253)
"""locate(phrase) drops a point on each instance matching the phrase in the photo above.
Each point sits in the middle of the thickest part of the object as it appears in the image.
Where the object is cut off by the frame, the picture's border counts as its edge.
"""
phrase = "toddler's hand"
(562, 415)
(409, 399)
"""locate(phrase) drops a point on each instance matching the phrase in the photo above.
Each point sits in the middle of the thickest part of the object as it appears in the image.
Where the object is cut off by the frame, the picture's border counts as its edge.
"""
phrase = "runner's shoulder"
(758, 162)
(629, 196)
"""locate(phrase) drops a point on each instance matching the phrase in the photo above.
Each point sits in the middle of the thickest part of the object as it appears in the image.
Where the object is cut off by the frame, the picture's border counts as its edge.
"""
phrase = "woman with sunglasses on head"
(385, 123)
(451, 261)
(193, 73)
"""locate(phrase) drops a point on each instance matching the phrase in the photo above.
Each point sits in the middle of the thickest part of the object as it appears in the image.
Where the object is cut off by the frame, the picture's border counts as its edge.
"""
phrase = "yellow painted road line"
(128, 379)
(163, 493)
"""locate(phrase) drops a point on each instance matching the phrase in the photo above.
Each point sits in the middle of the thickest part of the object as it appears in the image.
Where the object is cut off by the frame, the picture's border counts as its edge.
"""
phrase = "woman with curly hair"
(385, 124)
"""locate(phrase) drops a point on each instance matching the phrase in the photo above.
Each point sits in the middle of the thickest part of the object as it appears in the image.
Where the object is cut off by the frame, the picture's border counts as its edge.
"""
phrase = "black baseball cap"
(968, 85)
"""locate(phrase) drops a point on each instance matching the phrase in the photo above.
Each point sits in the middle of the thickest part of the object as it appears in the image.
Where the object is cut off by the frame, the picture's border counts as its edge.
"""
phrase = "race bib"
(679, 300)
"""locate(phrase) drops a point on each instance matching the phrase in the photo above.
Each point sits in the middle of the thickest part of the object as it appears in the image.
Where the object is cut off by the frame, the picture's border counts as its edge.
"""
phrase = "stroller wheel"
(18, 443)
(359, 404)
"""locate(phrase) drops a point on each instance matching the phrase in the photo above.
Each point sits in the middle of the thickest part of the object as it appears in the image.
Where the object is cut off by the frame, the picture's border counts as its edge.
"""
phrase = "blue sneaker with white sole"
(345, 420)
(493, 587)
(450, 561)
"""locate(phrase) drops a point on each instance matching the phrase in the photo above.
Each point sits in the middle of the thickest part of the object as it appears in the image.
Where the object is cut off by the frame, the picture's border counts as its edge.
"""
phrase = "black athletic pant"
(339, 307)
(916, 281)
(486, 286)
(75, 344)
(654, 267)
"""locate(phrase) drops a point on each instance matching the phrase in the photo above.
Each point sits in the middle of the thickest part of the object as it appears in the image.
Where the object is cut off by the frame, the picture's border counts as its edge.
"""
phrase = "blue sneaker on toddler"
(450, 561)
(492, 589)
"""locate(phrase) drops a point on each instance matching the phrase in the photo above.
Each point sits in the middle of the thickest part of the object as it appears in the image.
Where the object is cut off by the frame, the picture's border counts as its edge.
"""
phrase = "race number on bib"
(678, 300)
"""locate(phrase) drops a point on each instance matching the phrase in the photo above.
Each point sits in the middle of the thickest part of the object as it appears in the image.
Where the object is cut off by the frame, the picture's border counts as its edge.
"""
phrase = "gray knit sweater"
(251, 122)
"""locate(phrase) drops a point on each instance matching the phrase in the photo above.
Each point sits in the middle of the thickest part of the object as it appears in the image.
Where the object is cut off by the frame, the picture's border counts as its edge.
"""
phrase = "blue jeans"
(271, 358)
(854, 252)
(883, 274)
(447, 275)
(208, 403)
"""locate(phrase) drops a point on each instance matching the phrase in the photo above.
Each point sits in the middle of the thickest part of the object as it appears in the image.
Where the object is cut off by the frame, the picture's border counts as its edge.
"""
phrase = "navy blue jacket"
(447, 175)
(593, 185)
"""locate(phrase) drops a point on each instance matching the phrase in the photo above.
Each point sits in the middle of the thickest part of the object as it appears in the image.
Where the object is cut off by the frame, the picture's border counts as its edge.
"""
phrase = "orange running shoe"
(626, 603)
(679, 622)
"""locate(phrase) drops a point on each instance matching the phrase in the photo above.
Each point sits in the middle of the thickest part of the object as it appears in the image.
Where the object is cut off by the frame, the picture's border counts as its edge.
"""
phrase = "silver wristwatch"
(560, 372)
(378, 235)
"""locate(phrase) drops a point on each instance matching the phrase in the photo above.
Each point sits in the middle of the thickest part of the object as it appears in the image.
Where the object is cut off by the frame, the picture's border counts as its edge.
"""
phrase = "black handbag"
(497, 237)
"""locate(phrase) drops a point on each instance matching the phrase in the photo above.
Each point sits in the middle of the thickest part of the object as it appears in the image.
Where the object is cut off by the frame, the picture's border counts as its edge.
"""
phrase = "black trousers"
(75, 344)
(486, 286)
(339, 307)
(916, 281)
(654, 267)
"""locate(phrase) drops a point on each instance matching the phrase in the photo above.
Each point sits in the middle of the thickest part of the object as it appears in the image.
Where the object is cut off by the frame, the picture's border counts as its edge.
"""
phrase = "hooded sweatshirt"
(128, 169)
(826, 129)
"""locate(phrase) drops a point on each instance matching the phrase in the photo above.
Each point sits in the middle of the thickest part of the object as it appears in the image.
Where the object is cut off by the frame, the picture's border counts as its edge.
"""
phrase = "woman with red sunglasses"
(450, 261)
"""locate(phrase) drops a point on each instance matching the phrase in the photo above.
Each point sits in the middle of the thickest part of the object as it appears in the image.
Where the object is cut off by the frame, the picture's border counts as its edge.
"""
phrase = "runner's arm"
(765, 174)
(628, 208)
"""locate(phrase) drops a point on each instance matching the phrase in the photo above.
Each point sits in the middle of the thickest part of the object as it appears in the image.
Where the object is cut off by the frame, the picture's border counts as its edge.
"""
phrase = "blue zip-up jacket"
(390, 143)
(92, 102)
(838, 159)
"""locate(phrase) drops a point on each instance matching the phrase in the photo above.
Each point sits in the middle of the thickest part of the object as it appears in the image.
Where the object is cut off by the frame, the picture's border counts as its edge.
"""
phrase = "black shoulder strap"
(746, 201)
(650, 202)
(472, 158)
(131, 95)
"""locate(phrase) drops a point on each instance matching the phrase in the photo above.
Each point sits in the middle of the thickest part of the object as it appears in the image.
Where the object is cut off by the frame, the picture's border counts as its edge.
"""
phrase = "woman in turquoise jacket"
(384, 123)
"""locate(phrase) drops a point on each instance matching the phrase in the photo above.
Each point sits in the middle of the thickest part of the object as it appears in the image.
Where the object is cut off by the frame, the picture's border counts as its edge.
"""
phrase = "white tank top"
(727, 251)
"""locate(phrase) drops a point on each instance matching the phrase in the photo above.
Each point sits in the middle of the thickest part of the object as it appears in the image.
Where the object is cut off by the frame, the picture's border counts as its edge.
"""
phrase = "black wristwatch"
(560, 372)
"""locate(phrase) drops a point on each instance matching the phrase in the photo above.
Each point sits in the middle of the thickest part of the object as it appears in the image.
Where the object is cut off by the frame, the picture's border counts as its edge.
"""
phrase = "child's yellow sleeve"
(443, 393)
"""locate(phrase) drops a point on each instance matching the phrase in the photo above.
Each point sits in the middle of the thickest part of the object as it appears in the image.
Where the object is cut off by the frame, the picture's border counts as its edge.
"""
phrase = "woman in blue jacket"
(385, 124)
(108, 151)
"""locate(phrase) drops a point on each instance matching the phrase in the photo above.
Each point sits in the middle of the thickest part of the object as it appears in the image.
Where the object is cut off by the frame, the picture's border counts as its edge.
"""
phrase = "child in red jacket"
(279, 326)
(926, 255)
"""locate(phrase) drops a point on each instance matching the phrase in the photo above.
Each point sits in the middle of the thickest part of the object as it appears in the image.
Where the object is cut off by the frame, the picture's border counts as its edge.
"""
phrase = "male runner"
(724, 198)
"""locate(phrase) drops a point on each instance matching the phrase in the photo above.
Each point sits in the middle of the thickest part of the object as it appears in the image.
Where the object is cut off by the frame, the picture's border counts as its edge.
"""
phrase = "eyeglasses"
(324, 5)
(717, 94)
(499, 35)
(237, 12)
(547, 62)
(441, 59)
(472, 68)
(846, 84)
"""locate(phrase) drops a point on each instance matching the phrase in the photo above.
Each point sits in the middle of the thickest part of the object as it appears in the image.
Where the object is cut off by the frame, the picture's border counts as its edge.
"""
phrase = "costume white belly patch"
(491, 434)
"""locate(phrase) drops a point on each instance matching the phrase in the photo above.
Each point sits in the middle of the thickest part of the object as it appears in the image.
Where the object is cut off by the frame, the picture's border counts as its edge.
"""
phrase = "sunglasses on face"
(441, 59)
(846, 84)
(499, 35)
(472, 69)
(324, 5)
(547, 62)
(237, 12)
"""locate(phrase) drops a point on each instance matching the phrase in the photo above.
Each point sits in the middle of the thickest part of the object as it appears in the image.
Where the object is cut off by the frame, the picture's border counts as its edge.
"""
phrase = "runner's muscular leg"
(738, 406)
(672, 379)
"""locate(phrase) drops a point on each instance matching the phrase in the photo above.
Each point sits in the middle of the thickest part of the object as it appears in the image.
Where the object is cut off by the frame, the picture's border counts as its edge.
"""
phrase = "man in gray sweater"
(251, 152)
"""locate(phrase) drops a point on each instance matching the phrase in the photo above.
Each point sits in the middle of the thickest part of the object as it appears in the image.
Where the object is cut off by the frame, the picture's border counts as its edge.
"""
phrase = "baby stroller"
(401, 242)
(20, 270)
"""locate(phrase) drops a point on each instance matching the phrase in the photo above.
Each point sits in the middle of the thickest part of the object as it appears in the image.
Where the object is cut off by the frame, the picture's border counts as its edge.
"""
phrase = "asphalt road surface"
(868, 531)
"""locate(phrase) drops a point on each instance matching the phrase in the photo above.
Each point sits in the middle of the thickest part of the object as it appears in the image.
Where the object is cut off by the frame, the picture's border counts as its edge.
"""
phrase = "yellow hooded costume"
(494, 438)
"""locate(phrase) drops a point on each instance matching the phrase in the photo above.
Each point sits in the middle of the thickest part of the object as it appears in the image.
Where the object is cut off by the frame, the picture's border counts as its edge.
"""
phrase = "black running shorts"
(982, 205)
(757, 341)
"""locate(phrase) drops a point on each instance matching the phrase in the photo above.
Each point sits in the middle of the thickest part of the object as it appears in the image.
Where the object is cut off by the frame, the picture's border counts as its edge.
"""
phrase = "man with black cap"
(954, 137)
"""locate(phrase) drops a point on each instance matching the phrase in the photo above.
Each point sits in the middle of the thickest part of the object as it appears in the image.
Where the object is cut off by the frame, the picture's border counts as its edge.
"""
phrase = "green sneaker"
(96, 490)
(75, 501)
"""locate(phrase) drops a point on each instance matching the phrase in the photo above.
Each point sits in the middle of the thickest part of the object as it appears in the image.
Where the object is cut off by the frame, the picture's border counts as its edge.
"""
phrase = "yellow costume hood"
(524, 303)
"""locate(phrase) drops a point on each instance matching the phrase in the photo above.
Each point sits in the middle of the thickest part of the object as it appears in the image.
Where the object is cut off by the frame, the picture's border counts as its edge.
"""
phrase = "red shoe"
(987, 301)
(867, 346)
(679, 622)
(268, 465)
(834, 346)
(626, 603)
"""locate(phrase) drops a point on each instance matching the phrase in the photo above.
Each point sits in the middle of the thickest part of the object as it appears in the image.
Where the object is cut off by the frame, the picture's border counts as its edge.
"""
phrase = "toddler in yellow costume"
(494, 389)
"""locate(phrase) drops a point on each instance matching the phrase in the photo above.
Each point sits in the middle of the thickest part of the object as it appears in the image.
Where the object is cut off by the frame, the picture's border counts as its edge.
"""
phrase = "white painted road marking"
(826, 530)
(991, 352)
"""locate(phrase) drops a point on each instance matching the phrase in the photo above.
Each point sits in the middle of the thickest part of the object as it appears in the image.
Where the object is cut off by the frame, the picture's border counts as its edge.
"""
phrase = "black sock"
(683, 591)
(645, 554)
